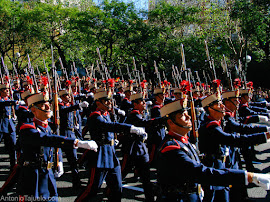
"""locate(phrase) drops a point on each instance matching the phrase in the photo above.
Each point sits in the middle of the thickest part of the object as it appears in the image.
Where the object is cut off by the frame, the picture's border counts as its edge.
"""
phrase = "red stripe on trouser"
(89, 186)
(152, 153)
(14, 170)
(82, 157)
(124, 162)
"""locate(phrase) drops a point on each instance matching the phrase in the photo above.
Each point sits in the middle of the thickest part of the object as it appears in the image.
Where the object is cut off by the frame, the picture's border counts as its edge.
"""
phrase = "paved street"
(132, 188)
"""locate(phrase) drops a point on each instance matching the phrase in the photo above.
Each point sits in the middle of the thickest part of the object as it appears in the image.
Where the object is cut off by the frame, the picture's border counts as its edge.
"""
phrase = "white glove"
(200, 109)
(148, 103)
(121, 112)
(90, 145)
(21, 102)
(59, 171)
(262, 180)
(59, 99)
(267, 104)
(268, 129)
(84, 104)
(14, 118)
(116, 142)
(263, 119)
(139, 131)
(77, 126)
(51, 114)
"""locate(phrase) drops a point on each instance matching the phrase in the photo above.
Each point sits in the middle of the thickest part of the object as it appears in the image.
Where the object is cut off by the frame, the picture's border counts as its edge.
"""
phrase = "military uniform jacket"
(232, 126)
(180, 170)
(135, 145)
(213, 141)
(245, 110)
(156, 133)
(212, 138)
(66, 111)
(102, 131)
(37, 143)
(126, 105)
(24, 115)
(6, 122)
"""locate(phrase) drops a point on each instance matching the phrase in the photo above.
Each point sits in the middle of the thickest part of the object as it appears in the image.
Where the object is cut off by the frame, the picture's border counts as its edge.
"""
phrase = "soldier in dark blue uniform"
(24, 115)
(126, 104)
(7, 126)
(16, 90)
(104, 165)
(135, 151)
(67, 129)
(214, 142)
(180, 171)
(37, 142)
(231, 102)
(157, 133)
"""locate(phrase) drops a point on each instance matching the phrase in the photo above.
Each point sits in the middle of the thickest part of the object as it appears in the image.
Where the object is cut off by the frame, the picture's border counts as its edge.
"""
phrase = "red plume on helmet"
(250, 84)
(44, 80)
(237, 83)
(131, 81)
(185, 86)
(94, 80)
(7, 78)
(68, 83)
(111, 82)
(216, 84)
(29, 80)
(197, 83)
(143, 85)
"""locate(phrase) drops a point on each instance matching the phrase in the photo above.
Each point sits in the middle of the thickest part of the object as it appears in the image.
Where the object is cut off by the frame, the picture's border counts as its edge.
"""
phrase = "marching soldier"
(37, 142)
(7, 126)
(157, 133)
(180, 171)
(231, 102)
(67, 129)
(214, 142)
(104, 165)
(135, 151)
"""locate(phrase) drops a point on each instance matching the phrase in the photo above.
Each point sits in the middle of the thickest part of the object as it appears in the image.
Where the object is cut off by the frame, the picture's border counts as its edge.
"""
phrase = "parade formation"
(194, 134)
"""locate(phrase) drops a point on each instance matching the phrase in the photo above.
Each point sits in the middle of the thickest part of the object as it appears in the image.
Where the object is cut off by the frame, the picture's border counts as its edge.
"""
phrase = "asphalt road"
(132, 190)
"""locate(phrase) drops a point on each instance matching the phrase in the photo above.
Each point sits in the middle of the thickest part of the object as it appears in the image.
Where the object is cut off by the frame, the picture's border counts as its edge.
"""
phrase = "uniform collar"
(104, 113)
(66, 104)
(179, 137)
(40, 123)
(136, 111)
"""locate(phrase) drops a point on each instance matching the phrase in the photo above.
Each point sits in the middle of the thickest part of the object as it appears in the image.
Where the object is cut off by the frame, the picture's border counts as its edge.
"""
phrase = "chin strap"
(216, 110)
(42, 109)
(188, 127)
(233, 103)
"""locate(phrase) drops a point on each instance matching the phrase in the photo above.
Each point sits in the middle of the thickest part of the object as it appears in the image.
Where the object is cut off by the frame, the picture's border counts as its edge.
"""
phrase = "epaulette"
(157, 106)
(28, 125)
(60, 103)
(246, 120)
(95, 113)
(135, 112)
(171, 147)
(23, 107)
(213, 123)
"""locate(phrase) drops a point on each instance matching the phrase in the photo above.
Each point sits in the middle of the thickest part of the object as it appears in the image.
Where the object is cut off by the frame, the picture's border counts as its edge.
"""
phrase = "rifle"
(210, 60)
(193, 113)
(143, 74)
(76, 72)
(9, 84)
(56, 107)
(32, 72)
(2, 78)
(157, 73)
